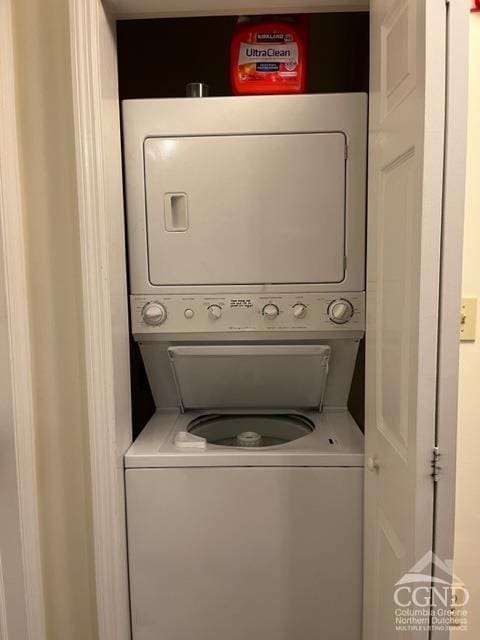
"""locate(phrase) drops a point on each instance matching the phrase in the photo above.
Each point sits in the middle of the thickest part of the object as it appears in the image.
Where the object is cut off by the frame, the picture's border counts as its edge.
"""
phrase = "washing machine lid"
(250, 377)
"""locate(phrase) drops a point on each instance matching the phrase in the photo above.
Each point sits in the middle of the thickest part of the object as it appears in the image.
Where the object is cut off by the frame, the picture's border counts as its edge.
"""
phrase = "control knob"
(270, 311)
(340, 311)
(214, 311)
(299, 310)
(154, 313)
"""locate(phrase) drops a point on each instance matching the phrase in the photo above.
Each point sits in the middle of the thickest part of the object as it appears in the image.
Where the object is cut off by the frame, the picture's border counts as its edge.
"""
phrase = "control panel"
(173, 314)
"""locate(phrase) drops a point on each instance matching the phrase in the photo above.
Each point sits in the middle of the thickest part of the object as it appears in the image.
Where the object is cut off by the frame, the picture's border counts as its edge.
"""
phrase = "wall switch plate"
(468, 319)
(458, 612)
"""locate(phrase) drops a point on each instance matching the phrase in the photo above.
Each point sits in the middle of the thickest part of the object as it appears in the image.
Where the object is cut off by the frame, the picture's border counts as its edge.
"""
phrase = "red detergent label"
(268, 58)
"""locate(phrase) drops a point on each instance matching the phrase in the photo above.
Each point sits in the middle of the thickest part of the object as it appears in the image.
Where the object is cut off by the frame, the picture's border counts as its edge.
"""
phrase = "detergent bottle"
(268, 55)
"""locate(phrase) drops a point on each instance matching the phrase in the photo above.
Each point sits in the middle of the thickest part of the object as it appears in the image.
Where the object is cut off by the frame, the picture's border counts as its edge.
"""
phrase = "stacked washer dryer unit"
(246, 229)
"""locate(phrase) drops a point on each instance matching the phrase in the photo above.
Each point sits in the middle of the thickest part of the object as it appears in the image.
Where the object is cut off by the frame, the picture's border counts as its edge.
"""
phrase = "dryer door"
(246, 209)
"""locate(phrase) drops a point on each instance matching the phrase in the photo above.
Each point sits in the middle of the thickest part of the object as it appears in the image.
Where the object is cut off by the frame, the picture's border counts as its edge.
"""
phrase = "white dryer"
(256, 194)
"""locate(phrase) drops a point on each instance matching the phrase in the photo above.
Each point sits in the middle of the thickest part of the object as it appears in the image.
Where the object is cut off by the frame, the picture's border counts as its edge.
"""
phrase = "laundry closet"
(289, 315)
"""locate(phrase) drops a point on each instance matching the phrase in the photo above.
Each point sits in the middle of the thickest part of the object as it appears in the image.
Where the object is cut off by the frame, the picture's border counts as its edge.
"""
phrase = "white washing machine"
(244, 491)
(245, 511)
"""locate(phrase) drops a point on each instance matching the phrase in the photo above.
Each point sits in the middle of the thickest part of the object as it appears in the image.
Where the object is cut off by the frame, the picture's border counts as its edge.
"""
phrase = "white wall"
(467, 525)
(48, 178)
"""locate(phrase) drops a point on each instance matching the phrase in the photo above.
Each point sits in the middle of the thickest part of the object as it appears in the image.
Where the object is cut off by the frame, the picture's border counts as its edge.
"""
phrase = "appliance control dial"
(154, 313)
(214, 311)
(340, 311)
(299, 310)
(270, 311)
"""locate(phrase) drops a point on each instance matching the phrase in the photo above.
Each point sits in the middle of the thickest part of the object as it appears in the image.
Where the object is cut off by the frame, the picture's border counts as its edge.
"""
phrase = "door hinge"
(436, 468)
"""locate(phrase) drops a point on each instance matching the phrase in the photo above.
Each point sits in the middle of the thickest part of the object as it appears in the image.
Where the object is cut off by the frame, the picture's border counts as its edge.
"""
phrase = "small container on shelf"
(196, 90)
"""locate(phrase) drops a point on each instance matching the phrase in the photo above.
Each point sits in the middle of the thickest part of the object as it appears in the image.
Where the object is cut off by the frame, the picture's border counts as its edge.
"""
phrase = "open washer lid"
(250, 377)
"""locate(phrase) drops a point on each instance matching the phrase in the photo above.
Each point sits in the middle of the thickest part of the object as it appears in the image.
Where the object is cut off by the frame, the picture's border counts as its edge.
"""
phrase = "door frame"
(451, 278)
(101, 217)
(15, 322)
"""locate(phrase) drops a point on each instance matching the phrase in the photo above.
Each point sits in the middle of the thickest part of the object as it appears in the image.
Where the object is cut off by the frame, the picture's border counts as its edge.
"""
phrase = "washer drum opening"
(250, 430)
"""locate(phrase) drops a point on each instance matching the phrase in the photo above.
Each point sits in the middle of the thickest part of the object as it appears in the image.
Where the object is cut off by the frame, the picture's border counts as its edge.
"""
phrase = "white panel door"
(405, 207)
(246, 209)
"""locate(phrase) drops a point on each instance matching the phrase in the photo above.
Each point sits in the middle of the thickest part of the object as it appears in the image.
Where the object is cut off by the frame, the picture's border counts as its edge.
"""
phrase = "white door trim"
(451, 277)
(100, 202)
(14, 272)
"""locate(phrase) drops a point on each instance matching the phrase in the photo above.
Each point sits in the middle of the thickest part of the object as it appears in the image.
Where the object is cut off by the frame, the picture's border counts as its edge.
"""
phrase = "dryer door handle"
(176, 211)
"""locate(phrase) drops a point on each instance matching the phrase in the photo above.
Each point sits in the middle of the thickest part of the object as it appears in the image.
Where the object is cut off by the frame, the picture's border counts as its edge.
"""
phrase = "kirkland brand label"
(273, 37)
(269, 53)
